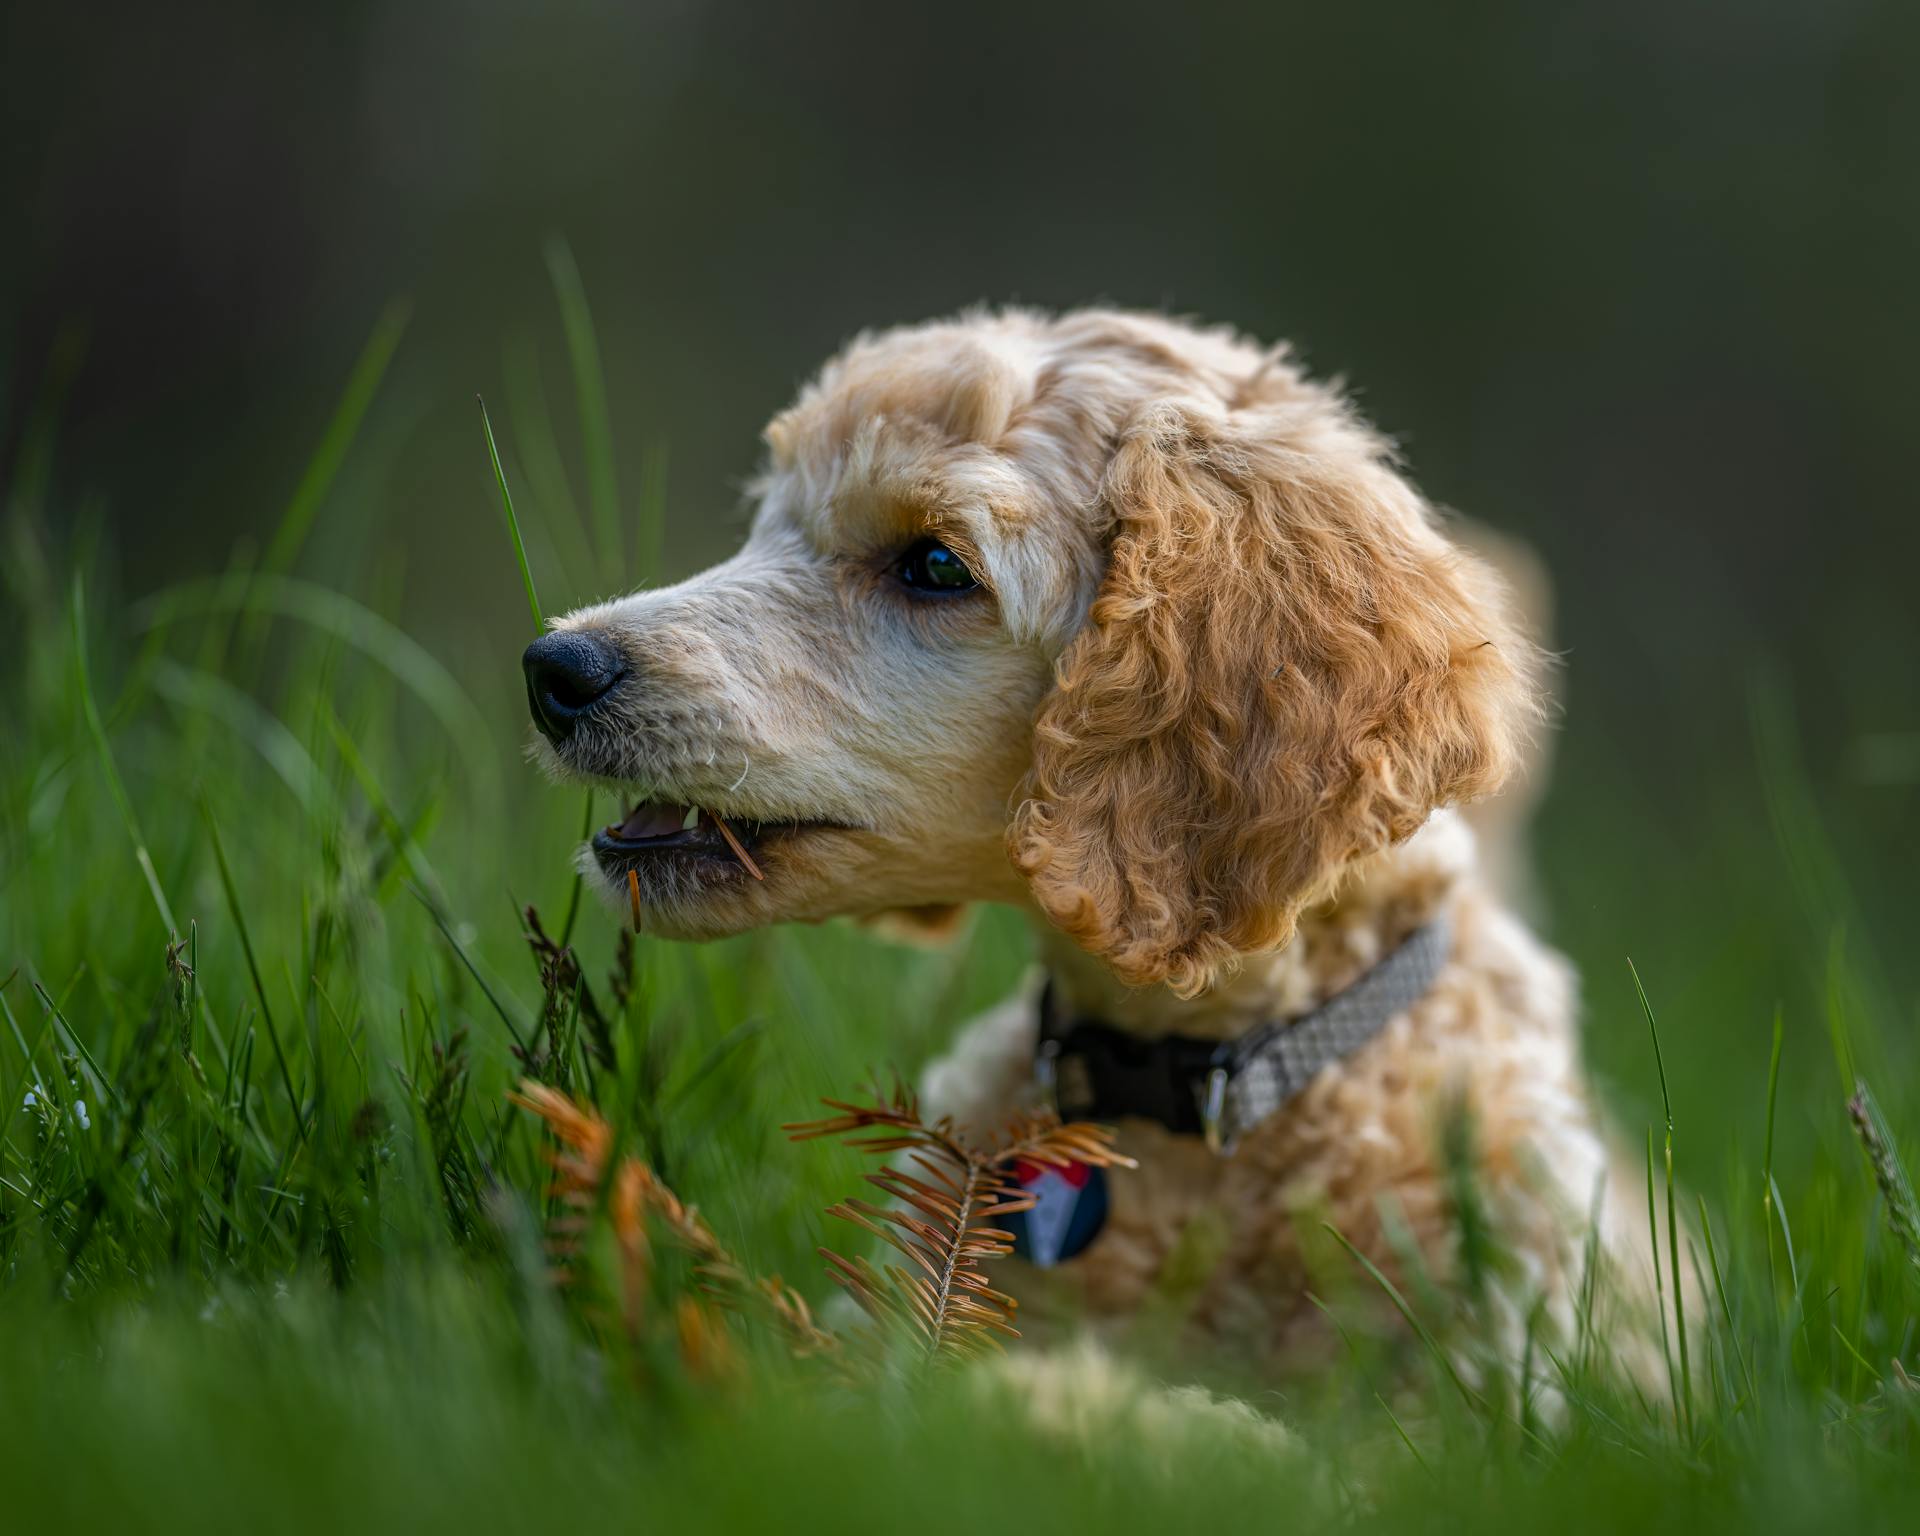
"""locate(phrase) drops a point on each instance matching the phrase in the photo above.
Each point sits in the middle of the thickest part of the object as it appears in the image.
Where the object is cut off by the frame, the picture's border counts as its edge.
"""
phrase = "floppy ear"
(1287, 668)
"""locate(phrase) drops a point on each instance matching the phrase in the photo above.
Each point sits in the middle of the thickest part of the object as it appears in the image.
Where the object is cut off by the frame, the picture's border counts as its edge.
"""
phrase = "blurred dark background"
(1632, 280)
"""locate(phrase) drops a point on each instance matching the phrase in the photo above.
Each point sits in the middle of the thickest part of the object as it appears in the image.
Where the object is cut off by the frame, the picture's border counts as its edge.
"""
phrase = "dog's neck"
(1377, 905)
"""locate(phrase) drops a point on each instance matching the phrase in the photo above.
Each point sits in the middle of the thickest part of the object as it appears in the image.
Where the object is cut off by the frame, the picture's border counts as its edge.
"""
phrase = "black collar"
(1222, 1089)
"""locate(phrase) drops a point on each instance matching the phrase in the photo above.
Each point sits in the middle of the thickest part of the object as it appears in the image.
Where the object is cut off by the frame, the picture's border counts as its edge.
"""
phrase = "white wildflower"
(80, 1114)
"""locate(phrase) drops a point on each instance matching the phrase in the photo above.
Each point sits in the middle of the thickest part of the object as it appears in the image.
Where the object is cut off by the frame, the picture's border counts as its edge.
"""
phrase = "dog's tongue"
(652, 818)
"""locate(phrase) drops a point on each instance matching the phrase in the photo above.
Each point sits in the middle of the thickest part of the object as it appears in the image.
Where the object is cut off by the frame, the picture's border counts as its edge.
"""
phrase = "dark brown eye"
(929, 566)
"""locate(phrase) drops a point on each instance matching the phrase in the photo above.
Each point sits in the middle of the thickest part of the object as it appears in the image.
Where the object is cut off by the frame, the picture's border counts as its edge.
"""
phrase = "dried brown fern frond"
(945, 1199)
(633, 1196)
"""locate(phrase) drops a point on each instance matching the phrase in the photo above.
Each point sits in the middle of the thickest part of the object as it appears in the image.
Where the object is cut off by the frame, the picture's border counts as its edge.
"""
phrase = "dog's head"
(1109, 616)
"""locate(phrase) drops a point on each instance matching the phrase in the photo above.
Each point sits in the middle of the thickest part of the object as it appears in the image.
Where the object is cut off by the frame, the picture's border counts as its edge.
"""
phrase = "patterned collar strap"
(1223, 1089)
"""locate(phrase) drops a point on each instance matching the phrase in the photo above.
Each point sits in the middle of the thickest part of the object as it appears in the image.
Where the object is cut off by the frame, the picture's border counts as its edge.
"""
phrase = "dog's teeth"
(692, 820)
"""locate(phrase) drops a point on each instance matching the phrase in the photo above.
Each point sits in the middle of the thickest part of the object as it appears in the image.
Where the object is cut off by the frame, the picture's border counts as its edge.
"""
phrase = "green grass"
(267, 857)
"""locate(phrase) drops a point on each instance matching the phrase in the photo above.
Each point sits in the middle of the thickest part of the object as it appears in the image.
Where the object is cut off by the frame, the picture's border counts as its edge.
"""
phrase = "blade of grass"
(473, 970)
(1659, 1061)
(103, 1085)
(27, 1052)
(13, 1100)
(513, 523)
(1726, 1307)
(590, 391)
(415, 830)
(1768, 1194)
(1405, 1438)
(334, 613)
(1587, 1297)
(1859, 1359)
(539, 453)
(1839, 1028)
(579, 882)
(716, 1057)
(1673, 1221)
(539, 628)
(108, 767)
(1786, 1239)
(239, 916)
(216, 698)
(1406, 1312)
(405, 849)
(363, 383)
(1660, 1287)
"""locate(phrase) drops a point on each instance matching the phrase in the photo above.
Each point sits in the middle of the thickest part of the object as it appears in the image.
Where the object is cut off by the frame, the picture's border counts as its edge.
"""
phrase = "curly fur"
(1286, 670)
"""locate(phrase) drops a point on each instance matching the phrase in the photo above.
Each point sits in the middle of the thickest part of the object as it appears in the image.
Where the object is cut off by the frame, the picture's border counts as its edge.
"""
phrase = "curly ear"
(1287, 668)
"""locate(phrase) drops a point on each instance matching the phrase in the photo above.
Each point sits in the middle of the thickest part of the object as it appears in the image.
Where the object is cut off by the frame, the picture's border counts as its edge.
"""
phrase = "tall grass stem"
(362, 385)
(590, 392)
(513, 523)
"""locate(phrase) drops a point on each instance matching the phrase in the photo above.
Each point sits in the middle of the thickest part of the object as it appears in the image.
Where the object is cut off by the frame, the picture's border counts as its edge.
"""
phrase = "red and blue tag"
(1069, 1209)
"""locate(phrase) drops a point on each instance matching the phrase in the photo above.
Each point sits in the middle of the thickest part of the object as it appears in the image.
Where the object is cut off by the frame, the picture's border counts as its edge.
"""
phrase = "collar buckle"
(1213, 1106)
(1046, 1071)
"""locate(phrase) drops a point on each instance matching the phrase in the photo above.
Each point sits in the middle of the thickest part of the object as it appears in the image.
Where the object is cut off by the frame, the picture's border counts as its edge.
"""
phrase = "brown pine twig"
(739, 850)
(940, 1218)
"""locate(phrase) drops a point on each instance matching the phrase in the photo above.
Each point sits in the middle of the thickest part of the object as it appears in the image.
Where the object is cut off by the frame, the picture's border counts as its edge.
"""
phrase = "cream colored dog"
(1130, 625)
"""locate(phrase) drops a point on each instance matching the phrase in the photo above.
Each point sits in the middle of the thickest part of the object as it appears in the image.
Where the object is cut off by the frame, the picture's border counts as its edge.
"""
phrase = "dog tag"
(1069, 1209)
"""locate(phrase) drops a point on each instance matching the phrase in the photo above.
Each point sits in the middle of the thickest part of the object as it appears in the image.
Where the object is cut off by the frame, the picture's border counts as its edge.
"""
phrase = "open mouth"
(659, 830)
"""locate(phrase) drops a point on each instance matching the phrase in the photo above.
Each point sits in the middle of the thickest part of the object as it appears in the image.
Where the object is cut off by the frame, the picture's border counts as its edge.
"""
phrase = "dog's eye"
(929, 566)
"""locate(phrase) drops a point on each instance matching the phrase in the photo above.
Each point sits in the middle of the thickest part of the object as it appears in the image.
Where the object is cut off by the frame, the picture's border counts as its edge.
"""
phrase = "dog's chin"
(688, 873)
(688, 906)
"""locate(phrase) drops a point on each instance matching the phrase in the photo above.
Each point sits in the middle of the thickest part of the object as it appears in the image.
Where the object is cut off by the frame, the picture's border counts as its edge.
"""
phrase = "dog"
(1130, 624)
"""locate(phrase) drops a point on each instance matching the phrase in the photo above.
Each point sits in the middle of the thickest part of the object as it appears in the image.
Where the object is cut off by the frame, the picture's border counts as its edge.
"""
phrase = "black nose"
(567, 674)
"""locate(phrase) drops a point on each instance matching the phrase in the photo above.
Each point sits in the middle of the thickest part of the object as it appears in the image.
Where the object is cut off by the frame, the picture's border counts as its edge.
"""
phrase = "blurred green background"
(1633, 281)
